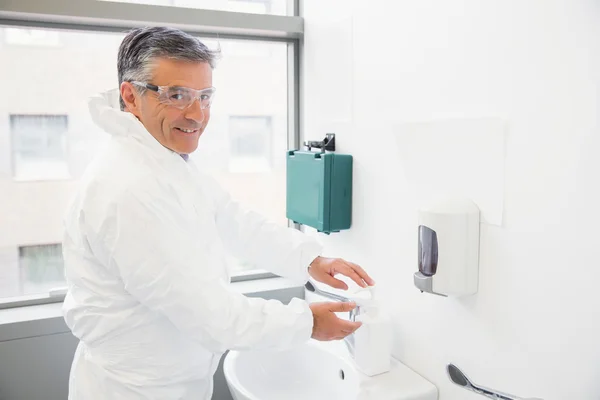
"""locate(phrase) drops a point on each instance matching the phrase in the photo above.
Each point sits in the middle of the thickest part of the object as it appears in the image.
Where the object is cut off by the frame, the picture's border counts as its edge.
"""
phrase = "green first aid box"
(319, 190)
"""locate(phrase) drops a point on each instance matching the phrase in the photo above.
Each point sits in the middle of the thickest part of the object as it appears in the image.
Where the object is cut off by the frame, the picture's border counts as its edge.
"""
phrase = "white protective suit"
(145, 246)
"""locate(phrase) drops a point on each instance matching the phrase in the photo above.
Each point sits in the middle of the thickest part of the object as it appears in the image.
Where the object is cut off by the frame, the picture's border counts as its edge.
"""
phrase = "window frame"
(98, 16)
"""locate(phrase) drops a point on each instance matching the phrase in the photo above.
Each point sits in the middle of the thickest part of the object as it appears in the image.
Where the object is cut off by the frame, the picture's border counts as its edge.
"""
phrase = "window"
(30, 269)
(245, 143)
(31, 37)
(39, 146)
(48, 134)
(273, 7)
(250, 144)
(250, 6)
(41, 268)
(240, 49)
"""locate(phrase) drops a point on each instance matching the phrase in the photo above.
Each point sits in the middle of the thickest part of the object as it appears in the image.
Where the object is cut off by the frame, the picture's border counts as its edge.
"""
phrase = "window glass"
(47, 139)
(273, 7)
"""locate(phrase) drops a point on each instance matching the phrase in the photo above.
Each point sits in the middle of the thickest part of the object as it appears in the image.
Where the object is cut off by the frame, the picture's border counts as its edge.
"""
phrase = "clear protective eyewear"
(179, 96)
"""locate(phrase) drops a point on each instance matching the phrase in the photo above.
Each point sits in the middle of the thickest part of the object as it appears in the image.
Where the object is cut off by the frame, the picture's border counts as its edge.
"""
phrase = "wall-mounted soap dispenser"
(448, 248)
(319, 187)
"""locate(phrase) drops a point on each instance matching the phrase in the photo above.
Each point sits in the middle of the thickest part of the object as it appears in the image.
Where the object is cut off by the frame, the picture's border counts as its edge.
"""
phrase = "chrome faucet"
(349, 340)
(352, 314)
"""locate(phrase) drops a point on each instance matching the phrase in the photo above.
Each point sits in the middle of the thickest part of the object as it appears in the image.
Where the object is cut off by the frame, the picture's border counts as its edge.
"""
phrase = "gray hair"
(142, 46)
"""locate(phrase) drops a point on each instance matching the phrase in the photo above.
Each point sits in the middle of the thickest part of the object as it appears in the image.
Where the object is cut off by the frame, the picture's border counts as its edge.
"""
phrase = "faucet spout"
(312, 288)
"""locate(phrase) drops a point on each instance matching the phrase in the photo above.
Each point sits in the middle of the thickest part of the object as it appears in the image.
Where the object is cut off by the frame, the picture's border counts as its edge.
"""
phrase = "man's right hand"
(327, 326)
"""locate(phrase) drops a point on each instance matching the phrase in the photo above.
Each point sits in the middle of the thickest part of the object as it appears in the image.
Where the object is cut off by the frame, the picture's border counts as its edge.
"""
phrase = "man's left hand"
(324, 269)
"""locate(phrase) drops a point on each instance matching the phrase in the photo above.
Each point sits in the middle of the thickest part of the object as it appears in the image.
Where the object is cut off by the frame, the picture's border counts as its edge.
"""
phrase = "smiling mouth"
(188, 131)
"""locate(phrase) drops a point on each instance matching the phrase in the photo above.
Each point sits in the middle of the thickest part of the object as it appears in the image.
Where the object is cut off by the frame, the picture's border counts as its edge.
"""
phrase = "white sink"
(318, 371)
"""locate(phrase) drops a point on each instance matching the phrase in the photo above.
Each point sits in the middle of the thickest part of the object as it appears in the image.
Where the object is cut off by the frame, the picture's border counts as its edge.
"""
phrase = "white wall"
(533, 328)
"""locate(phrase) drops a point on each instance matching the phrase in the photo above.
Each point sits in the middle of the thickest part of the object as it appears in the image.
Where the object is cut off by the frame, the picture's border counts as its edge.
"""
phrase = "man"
(147, 234)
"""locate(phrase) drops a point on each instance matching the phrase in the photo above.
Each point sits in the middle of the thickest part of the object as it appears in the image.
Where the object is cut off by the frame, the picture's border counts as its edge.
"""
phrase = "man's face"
(166, 123)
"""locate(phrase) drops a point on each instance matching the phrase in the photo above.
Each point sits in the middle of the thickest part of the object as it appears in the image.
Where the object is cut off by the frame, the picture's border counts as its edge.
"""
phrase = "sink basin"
(318, 371)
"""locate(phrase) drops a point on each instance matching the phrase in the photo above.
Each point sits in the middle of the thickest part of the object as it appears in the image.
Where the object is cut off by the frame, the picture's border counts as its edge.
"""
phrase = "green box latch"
(319, 190)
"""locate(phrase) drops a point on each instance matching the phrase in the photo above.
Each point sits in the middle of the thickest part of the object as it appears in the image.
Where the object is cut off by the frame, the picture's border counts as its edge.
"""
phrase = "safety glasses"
(180, 97)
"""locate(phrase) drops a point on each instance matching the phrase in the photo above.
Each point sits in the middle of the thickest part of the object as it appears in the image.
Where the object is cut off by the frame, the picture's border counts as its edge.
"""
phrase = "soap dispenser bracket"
(327, 144)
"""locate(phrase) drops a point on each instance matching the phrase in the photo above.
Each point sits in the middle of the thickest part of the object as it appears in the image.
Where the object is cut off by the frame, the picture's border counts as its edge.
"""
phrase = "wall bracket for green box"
(319, 190)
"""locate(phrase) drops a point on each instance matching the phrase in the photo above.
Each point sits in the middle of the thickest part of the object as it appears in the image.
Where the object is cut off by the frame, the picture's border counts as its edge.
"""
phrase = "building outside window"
(39, 147)
(41, 268)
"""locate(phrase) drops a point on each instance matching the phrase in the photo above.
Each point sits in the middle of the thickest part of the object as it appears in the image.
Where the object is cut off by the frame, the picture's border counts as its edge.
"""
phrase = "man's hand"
(327, 326)
(324, 270)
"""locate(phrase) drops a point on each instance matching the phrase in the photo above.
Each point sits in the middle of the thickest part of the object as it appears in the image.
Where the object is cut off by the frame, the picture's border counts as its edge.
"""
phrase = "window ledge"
(20, 180)
(47, 319)
(249, 287)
